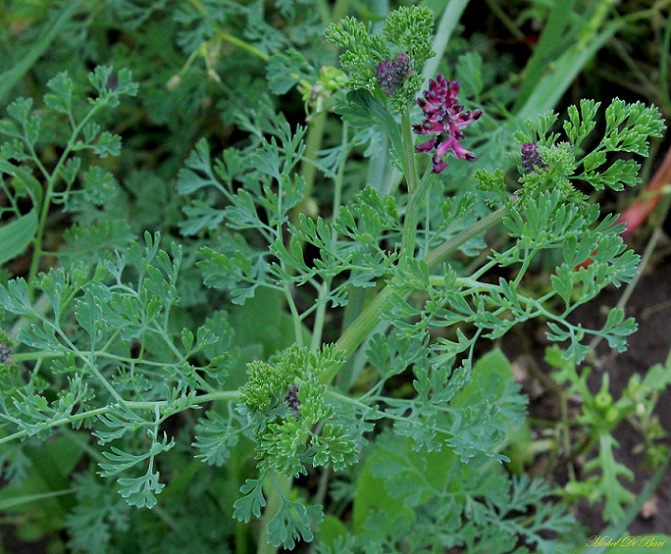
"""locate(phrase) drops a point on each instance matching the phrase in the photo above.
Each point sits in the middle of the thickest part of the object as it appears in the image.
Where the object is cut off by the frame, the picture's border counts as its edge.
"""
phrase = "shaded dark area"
(650, 305)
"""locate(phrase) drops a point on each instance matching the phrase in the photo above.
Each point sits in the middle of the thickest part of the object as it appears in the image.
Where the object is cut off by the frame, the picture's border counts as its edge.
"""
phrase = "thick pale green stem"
(451, 245)
(313, 143)
(412, 214)
(355, 334)
(411, 175)
(277, 486)
(416, 189)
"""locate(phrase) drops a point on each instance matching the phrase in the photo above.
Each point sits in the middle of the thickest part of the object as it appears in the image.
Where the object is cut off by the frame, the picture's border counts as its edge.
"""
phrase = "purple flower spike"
(531, 158)
(391, 74)
(445, 119)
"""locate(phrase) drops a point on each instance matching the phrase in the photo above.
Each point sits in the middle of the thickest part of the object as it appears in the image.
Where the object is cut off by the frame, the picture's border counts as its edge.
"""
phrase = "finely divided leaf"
(252, 502)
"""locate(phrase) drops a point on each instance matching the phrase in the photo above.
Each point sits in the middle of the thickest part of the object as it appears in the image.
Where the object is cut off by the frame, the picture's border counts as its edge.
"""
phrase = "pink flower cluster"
(445, 119)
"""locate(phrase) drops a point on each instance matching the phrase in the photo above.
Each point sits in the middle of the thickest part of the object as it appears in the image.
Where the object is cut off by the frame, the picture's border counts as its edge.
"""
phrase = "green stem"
(451, 245)
(324, 12)
(295, 316)
(57, 21)
(412, 216)
(20, 500)
(313, 142)
(664, 62)
(201, 399)
(339, 10)
(506, 20)
(355, 334)
(46, 202)
(165, 517)
(411, 174)
(416, 189)
(591, 29)
(37, 241)
(242, 44)
(320, 316)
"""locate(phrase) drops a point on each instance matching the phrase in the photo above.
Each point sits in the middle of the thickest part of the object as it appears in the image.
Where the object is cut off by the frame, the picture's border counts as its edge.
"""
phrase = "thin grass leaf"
(552, 86)
(549, 45)
(448, 22)
(16, 236)
(12, 76)
(22, 500)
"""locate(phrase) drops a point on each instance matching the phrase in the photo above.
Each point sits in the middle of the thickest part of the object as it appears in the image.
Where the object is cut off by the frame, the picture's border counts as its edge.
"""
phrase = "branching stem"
(82, 416)
(356, 333)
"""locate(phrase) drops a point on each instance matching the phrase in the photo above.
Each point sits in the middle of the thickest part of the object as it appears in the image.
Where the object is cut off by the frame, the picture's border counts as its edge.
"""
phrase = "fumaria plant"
(345, 389)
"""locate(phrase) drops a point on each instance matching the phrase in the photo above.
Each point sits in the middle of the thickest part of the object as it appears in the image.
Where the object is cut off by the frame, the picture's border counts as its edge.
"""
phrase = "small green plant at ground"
(299, 363)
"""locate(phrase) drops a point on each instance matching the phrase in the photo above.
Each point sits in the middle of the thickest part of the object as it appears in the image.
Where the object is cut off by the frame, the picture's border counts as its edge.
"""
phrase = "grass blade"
(552, 86)
(448, 21)
(11, 77)
(552, 40)
(16, 236)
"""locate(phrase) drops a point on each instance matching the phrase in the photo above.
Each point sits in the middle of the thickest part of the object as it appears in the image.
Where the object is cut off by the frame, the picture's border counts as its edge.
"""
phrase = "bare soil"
(650, 304)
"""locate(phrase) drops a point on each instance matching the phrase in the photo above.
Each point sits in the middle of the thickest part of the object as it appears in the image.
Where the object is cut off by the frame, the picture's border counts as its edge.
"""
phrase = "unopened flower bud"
(173, 82)
(331, 78)
(291, 398)
(113, 82)
(5, 354)
(6, 351)
(531, 158)
(391, 74)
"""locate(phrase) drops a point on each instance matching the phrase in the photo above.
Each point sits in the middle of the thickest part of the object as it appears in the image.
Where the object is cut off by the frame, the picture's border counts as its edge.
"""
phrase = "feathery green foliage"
(203, 334)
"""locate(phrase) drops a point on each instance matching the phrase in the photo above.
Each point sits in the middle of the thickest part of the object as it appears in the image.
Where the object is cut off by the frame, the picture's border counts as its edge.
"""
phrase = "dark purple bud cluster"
(445, 118)
(391, 74)
(291, 398)
(113, 82)
(531, 158)
(5, 354)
